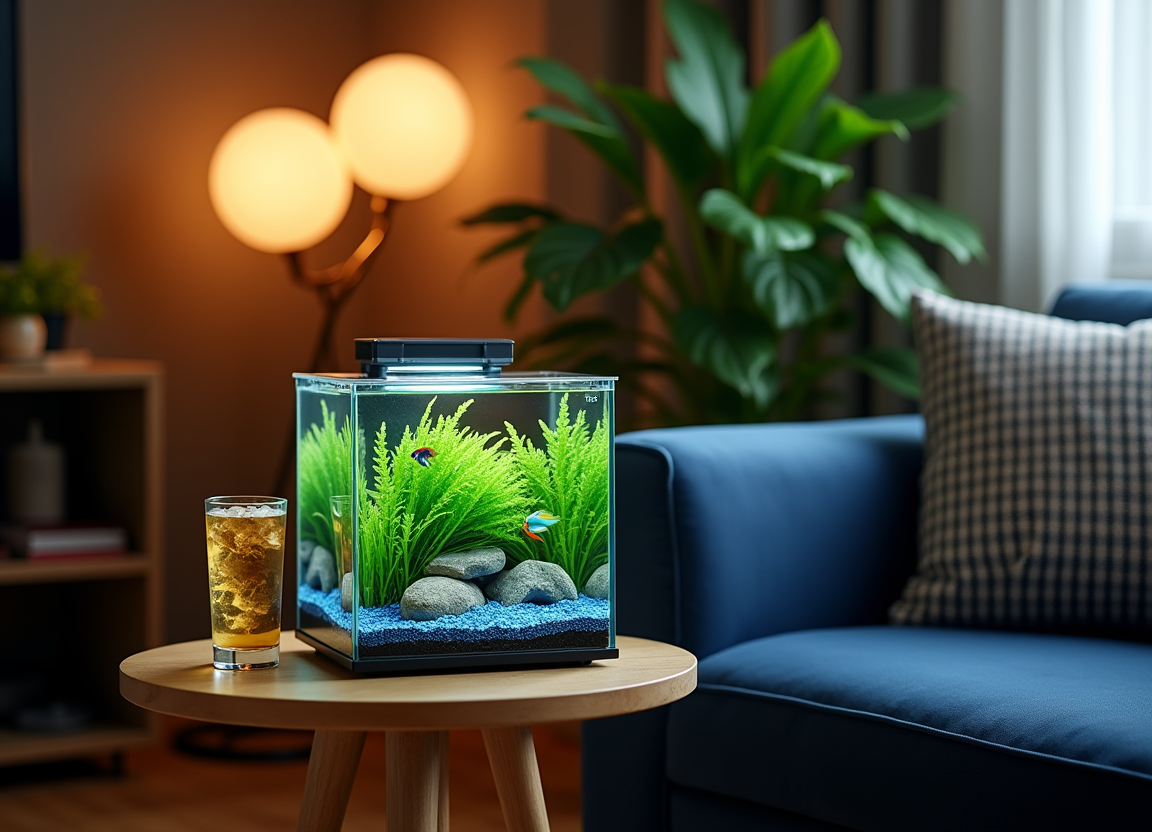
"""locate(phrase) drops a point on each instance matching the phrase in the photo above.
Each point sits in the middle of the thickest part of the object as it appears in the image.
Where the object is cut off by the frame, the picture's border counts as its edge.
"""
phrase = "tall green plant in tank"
(568, 478)
(442, 488)
(770, 259)
(325, 463)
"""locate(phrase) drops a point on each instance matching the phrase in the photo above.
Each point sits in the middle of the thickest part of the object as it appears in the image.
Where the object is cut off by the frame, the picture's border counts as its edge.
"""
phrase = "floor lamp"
(281, 180)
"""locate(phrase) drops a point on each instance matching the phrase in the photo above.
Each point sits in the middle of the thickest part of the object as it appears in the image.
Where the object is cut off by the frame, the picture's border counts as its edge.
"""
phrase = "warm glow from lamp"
(404, 124)
(277, 181)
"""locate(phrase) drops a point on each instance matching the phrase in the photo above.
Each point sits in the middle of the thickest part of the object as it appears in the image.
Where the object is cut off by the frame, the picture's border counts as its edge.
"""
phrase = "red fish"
(423, 456)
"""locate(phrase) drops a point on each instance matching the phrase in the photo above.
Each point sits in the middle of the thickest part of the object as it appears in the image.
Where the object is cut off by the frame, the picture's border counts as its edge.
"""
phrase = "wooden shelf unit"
(88, 613)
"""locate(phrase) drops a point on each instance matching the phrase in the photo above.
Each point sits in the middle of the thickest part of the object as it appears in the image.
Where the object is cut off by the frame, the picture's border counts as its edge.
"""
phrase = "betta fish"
(537, 522)
(423, 456)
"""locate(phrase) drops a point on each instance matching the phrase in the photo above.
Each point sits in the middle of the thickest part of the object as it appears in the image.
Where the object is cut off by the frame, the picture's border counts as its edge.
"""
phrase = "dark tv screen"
(10, 231)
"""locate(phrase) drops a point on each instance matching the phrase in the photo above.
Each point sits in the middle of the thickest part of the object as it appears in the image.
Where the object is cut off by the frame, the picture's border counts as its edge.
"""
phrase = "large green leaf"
(894, 367)
(791, 288)
(891, 271)
(571, 259)
(724, 211)
(935, 223)
(735, 347)
(915, 108)
(510, 212)
(843, 127)
(828, 174)
(707, 80)
(842, 222)
(562, 79)
(793, 85)
(680, 143)
(508, 244)
(605, 141)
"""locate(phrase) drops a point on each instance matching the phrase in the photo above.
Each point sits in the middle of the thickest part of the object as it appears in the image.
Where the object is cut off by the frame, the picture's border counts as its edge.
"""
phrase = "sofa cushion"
(1038, 472)
(869, 726)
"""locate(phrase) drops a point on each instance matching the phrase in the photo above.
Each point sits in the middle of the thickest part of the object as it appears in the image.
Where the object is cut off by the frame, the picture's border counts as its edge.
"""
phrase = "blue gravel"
(383, 625)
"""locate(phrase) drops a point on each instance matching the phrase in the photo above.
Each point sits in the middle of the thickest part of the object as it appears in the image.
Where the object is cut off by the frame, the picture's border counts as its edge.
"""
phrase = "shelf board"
(101, 374)
(18, 571)
(20, 747)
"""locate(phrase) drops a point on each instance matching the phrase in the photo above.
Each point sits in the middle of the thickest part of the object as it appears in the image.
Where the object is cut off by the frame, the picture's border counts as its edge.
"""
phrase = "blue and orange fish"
(538, 522)
(423, 456)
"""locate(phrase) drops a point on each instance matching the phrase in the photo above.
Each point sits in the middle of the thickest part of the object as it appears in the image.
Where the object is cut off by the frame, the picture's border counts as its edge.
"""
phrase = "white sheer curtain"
(1057, 203)
(1132, 174)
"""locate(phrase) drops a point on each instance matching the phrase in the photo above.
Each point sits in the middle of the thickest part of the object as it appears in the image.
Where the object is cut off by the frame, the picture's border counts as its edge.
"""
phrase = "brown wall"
(124, 101)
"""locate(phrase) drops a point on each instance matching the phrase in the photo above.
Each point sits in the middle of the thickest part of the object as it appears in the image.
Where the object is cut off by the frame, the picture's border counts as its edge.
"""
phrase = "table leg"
(442, 815)
(331, 771)
(513, 759)
(413, 775)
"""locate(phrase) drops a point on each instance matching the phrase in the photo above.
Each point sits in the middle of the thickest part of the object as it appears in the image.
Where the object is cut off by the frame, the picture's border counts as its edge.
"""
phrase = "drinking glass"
(245, 538)
(341, 506)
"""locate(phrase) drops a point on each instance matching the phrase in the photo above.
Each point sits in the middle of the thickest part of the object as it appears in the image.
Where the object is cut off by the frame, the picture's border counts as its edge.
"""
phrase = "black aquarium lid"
(380, 356)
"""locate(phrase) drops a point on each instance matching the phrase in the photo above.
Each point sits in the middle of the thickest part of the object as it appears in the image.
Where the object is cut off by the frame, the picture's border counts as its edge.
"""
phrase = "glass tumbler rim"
(245, 500)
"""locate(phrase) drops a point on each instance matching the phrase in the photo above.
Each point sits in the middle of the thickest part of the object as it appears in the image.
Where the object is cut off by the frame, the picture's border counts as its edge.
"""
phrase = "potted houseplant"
(746, 299)
(37, 297)
(62, 291)
(23, 333)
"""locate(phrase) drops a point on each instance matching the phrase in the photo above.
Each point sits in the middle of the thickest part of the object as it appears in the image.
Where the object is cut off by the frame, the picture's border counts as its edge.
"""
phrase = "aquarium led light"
(435, 368)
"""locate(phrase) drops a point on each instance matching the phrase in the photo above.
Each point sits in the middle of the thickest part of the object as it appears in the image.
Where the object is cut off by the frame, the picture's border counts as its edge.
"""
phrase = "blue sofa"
(772, 552)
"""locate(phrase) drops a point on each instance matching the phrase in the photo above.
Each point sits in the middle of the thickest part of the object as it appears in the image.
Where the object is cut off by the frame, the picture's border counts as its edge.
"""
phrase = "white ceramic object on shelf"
(36, 479)
(22, 338)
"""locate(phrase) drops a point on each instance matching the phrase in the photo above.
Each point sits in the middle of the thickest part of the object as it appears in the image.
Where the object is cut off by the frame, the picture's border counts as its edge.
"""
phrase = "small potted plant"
(23, 333)
(37, 297)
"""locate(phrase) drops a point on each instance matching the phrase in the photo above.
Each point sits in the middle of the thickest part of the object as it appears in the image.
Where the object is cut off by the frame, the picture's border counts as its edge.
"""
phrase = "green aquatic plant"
(325, 463)
(466, 495)
(568, 477)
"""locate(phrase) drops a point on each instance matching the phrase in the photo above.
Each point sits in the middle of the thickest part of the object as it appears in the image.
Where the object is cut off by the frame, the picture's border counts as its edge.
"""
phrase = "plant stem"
(649, 294)
(674, 272)
(703, 254)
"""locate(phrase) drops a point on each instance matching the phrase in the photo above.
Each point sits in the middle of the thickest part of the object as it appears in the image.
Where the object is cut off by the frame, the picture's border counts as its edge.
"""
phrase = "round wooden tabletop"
(308, 691)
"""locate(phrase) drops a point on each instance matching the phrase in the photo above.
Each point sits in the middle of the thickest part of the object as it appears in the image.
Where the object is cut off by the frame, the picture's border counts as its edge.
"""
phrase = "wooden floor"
(166, 791)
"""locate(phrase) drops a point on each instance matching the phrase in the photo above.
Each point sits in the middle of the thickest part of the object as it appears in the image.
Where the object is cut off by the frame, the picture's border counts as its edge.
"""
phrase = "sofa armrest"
(729, 533)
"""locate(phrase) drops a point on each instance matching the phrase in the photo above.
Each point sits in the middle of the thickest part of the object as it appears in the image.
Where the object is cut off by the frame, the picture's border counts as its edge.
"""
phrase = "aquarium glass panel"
(473, 515)
(323, 472)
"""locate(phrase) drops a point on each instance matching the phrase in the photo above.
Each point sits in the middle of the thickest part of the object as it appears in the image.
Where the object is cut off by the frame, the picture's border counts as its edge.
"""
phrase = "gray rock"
(533, 581)
(304, 550)
(464, 566)
(346, 592)
(322, 574)
(483, 580)
(597, 586)
(431, 598)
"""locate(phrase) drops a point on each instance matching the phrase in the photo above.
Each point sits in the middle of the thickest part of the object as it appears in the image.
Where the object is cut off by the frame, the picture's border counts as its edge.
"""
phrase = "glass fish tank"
(451, 513)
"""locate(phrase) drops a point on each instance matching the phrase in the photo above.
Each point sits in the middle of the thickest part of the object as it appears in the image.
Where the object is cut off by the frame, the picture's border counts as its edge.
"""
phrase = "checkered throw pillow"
(1037, 489)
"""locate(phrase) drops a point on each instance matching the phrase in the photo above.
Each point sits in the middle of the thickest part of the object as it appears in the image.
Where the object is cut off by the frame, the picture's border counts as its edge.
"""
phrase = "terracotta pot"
(22, 338)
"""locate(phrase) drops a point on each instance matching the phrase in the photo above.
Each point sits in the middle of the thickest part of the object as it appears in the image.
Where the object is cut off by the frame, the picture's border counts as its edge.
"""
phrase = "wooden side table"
(308, 691)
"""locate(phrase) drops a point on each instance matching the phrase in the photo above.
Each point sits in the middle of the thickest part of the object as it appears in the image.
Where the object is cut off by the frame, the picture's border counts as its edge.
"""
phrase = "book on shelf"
(64, 541)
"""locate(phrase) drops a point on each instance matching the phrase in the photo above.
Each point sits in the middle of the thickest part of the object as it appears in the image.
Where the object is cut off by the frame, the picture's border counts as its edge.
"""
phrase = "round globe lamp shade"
(277, 181)
(404, 124)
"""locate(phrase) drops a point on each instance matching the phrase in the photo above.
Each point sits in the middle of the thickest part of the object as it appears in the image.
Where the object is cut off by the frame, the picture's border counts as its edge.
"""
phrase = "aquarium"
(451, 513)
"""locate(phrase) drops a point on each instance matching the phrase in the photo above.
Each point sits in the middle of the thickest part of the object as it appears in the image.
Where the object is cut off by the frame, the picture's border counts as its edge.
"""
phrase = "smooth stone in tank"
(322, 573)
(532, 582)
(598, 584)
(465, 566)
(435, 597)
(346, 592)
(304, 550)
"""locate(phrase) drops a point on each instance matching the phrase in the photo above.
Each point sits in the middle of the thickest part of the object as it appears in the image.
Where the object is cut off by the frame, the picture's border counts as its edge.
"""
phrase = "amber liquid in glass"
(245, 579)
